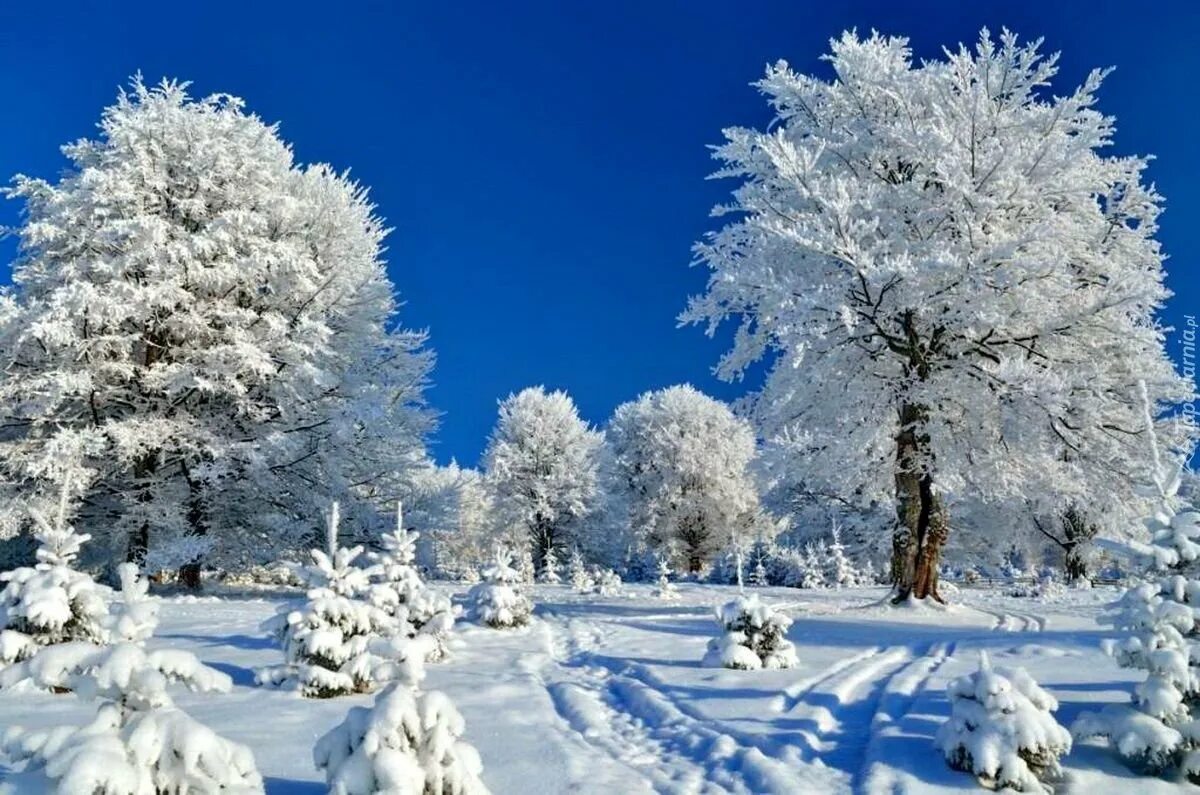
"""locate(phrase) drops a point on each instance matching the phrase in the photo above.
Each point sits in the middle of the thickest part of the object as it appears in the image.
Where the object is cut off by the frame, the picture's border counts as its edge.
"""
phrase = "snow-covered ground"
(607, 695)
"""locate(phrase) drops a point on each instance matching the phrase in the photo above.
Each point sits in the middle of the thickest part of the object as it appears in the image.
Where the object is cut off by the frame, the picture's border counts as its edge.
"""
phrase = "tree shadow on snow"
(244, 642)
(287, 786)
(242, 677)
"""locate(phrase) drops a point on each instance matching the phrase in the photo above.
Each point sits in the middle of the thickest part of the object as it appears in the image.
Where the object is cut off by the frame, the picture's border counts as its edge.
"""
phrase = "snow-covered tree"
(839, 570)
(577, 571)
(397, 589)
(550, 566)
(50, 602)
(542, 469)
(498, 601)
(139, 743)
(665, 589)
(606, 582)
(1001, 729)
(753, 636)
(212, 324)
(1159, 730)
(328, 642)
(461, 539)
(683, 459)
(812, 568)
(957, 288)
(407, 742)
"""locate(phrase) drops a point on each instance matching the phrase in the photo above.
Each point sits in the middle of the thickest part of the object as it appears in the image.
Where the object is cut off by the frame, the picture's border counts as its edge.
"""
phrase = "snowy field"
(606, 695)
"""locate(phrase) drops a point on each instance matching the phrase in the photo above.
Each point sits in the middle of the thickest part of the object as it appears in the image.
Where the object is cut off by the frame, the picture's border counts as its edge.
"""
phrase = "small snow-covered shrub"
(498, 601)
(581, 579)
(753, 636)
(408, 742)
(50, 602)
(327, 642)
(606, 582)
(812, 567)
(1002, 731)
(839, 571)
(665, 589)
(139, 743)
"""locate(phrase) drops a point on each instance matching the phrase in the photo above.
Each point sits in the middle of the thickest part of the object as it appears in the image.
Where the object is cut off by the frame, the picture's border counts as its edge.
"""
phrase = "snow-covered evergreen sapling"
(407, 742)
(398, 590)
(754, 636)
(498, 601)
(839, 571)
(665, 589)
(812, 570)
(139, 743)
(327, 642)
(1158, 731)
(50, 602)
(581, 579)
(607, 582)
(549, 575)
(1001, 729)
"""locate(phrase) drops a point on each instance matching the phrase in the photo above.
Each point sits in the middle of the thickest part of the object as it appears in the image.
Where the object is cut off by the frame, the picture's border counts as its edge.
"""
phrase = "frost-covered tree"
(753, 636)
(397, 589)
(498, 601)
(665, 589)
(957, 287)
(577, 571)
(50, 602)
(606, 582)
(461, 537)
(1001, 729)
(139, 743)
(683, 459)
(550, 566)
(407, 742)
(212, 324)
(839, 570)
(812, 568)
(328, 643)
(1160, 730)
(542, 469)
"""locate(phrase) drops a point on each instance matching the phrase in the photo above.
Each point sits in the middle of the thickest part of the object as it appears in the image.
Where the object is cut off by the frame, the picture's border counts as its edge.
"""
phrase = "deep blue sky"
(543, 164)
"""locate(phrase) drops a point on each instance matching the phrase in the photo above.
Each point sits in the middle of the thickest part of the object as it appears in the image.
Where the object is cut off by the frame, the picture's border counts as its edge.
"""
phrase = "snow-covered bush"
(50, 602)
(139, 743)
(753, 636)
(1001, 729)
(498, 601)
(606, 582)
(407, 743)
(327, 642)
(581, 579)
(665, 589)
(398, 590)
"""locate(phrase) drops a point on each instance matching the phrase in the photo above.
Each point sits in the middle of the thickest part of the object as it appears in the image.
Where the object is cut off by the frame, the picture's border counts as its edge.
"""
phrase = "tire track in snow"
(794, 694)
(899, 695)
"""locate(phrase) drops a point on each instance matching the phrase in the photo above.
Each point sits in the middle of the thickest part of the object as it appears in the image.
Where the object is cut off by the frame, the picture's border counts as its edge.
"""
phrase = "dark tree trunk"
(921, 521)
(139, 539)
(189, 573)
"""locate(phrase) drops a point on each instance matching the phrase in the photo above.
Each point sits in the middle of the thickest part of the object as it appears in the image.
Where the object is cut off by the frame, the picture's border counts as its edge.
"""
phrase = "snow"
(604, 695)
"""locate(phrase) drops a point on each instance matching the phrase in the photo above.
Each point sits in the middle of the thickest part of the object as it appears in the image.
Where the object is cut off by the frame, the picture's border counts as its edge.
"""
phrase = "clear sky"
(544, 164)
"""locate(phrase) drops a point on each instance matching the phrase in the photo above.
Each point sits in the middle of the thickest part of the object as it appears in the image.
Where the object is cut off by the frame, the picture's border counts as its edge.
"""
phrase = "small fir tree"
(1001, 730)
(498, 601)
(753, 636)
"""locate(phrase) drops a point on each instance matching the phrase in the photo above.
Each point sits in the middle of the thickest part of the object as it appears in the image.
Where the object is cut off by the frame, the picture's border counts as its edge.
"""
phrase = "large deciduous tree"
(542, 468)
(956, 287)
(209, 326)
(683, 460)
